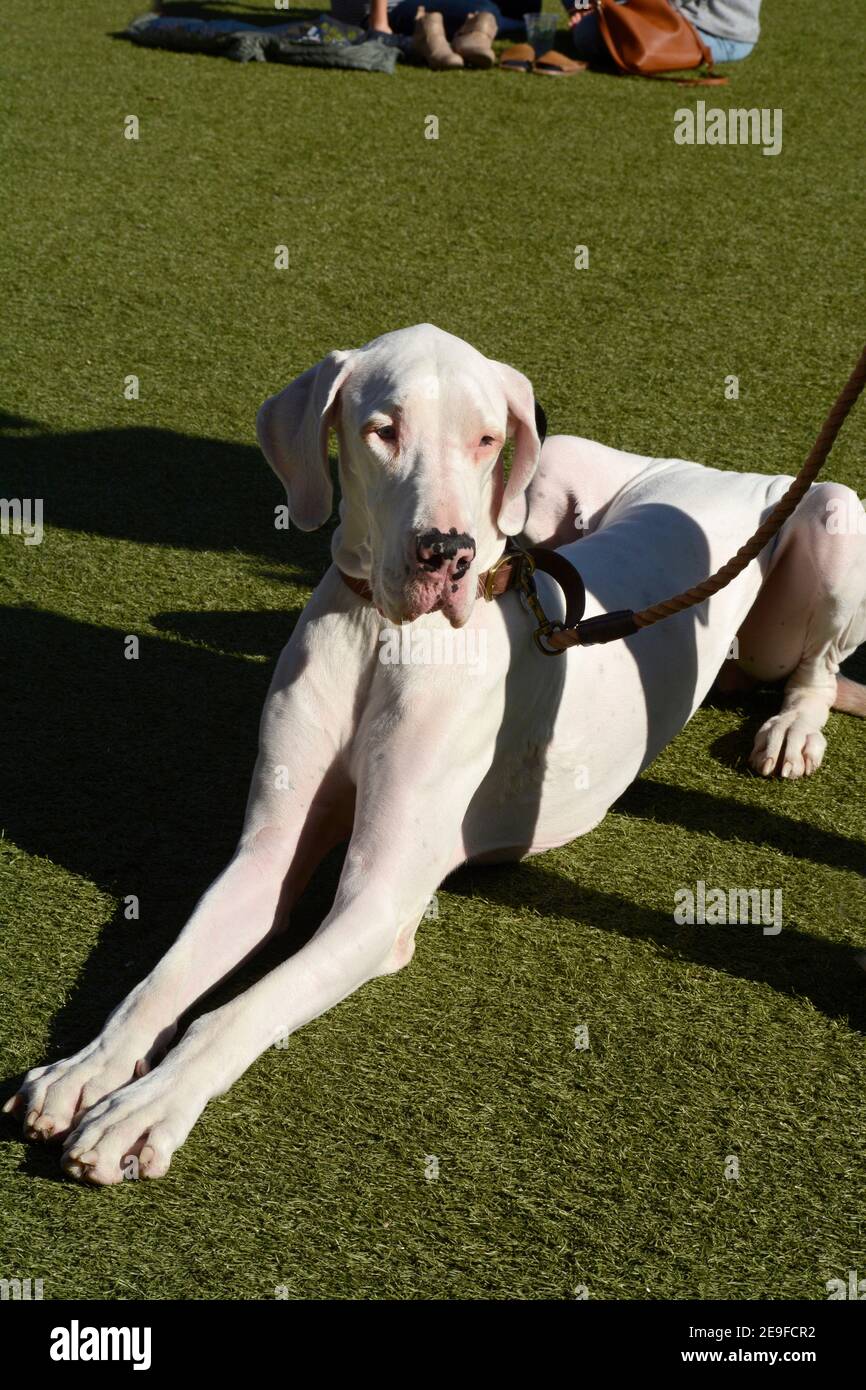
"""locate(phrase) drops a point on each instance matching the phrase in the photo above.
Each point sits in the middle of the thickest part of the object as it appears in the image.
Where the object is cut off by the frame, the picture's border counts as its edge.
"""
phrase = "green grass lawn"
(557, 1167)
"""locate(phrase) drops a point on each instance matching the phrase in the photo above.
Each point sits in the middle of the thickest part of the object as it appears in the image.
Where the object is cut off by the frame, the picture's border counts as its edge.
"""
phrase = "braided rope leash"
(624, 623)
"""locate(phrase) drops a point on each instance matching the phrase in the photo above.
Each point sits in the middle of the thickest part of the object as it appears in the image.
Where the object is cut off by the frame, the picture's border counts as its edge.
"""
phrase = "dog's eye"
(486, 441)
(386, 432)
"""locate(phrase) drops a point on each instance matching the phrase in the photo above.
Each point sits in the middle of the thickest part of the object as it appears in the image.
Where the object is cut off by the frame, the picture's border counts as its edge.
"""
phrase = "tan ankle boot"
(474, 40)
(430, 43)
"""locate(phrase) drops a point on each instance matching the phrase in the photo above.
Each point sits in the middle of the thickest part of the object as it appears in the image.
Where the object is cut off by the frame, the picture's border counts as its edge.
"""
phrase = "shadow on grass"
(734, 820)
(158, 487)
(794, 963)
(134, 775)
(234, 633)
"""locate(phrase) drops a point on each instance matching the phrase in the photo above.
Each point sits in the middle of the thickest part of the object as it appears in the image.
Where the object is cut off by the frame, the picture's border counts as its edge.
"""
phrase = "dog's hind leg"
(809, 616)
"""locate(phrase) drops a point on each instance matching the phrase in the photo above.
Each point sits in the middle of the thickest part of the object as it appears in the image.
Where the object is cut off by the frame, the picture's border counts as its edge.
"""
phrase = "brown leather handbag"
(649, 37)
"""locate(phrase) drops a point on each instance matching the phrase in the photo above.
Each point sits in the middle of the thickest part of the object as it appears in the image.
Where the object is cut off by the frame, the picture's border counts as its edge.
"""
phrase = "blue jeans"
(509, 14)
(590, 47)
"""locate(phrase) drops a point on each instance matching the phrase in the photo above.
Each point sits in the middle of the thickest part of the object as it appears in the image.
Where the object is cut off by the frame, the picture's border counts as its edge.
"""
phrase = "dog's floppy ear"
(292, 430)
(522, 419)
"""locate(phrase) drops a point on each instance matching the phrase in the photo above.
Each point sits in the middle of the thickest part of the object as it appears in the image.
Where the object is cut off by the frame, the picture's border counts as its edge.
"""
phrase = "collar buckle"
(523, 566)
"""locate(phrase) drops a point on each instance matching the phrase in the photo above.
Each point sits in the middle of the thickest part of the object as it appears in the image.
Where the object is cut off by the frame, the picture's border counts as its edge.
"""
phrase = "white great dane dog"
(422, 766)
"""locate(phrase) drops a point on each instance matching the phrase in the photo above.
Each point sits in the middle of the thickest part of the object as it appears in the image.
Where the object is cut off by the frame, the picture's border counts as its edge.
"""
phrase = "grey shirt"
(725, 19)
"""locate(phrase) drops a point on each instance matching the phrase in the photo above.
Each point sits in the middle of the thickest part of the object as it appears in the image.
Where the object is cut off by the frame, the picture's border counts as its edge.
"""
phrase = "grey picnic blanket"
(325, 44)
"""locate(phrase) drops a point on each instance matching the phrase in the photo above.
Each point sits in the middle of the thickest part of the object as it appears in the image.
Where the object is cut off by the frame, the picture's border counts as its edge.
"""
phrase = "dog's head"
(422, 420)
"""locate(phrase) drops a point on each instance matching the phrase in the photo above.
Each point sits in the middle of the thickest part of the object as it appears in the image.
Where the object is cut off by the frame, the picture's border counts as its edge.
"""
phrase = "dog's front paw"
(133, 1133)
(51, 1099)
(788, 745)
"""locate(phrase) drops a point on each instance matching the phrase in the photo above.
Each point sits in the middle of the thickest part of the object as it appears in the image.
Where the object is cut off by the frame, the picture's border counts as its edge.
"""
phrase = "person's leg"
(402, 16)
(350, 11)
(586, 39)
(725, 50)
(378, 17)
(511, 25)
(454, 12)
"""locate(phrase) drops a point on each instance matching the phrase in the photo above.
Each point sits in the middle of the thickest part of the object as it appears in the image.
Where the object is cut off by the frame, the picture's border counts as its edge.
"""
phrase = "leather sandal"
(553, 64)
(474, 39)
(519, 58)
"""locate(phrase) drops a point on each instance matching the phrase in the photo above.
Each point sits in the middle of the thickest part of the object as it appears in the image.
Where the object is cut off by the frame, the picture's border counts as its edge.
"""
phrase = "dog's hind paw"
(788, 746)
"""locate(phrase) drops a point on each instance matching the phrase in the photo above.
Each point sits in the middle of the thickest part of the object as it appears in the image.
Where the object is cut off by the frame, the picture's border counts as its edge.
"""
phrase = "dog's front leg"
(246, 904)
(300, 806)
(406, 838)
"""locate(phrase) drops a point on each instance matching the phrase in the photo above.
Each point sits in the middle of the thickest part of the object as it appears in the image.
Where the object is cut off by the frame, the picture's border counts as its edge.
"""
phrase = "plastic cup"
(541, 30)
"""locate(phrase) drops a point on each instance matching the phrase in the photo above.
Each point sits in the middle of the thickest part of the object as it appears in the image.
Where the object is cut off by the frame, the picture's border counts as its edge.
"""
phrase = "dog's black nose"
(436, 549)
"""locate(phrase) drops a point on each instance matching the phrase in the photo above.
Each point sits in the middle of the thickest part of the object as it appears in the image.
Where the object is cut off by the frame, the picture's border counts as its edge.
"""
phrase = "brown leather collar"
(506, 573)
(358, 586)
